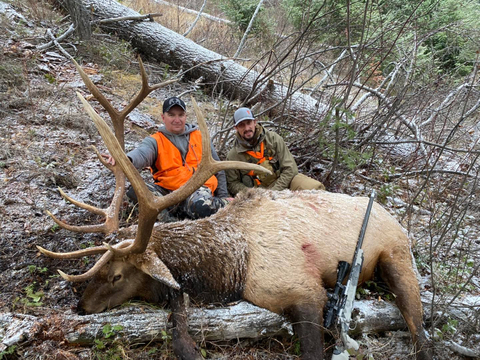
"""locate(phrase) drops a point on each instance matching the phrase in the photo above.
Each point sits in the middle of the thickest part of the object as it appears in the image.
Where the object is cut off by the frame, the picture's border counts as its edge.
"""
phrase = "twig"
(196, 85)
(446, 102)
(469, 151)
(67, 33)
(372, 180)
(71, 29)
(382, 97)
(430, 171)
(62, 50)
(462, 350)
(190, 11)
(328, 72)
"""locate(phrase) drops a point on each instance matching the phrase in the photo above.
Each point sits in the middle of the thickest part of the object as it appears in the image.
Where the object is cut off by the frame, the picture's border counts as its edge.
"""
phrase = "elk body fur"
(279, 250)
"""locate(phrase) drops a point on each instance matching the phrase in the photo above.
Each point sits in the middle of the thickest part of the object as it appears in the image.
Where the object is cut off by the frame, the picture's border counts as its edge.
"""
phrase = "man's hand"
(226, 201)
(109, 159)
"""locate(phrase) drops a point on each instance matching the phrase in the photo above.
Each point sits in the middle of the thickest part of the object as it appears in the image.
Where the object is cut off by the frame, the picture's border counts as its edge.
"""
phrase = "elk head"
(149, 204)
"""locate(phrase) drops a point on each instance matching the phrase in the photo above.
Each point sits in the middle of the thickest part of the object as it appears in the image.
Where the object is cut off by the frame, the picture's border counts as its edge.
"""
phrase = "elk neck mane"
(208, 257)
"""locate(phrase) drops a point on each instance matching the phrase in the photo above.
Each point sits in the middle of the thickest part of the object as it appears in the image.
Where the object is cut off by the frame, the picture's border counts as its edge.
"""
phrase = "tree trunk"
(80, 18)
(177, 51)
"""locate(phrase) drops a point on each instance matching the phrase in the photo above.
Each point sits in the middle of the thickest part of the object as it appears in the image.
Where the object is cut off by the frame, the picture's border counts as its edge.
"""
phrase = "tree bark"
(144, 324)
(80, 18)
(177, 51)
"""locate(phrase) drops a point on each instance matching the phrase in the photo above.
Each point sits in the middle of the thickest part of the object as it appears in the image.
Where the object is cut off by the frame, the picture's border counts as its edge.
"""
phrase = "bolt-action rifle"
(340, 303)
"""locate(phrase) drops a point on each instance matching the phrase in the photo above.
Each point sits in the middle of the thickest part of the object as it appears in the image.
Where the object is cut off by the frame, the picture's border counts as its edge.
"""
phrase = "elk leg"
(183, 345)
(307, 324)
(397, 272)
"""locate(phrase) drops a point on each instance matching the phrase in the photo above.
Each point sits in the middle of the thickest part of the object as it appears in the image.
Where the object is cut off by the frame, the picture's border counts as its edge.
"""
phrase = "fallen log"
(173, 49)
(143, 324)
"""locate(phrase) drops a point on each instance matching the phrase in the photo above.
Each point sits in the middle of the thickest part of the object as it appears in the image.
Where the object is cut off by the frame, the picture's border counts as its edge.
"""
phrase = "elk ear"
(155, 267)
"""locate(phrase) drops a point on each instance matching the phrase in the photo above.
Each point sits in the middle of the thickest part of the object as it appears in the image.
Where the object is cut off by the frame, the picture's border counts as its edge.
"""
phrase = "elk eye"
(116, 278)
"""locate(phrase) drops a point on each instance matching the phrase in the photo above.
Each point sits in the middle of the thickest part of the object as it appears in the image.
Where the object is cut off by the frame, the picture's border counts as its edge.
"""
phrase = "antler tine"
(118, 117)
(146, 200)
(143, 93)
(111, 222)
(74, 254)
(114, 113)
(85, 252)
(82, 205)
(105, 228)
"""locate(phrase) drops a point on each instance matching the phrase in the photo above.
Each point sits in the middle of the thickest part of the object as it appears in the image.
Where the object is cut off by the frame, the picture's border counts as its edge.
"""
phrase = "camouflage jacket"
(282, 163)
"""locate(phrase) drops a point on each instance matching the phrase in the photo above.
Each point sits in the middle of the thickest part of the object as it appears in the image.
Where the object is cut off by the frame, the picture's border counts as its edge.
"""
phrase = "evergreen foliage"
(240, 12)
(449, 28)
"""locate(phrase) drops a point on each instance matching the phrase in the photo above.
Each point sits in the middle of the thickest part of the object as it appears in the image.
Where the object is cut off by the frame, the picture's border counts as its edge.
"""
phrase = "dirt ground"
(45, 141)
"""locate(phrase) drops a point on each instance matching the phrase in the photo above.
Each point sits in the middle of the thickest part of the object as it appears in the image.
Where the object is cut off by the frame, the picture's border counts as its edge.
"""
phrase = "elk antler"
(106, 257)
(118, 119)
(149, 204)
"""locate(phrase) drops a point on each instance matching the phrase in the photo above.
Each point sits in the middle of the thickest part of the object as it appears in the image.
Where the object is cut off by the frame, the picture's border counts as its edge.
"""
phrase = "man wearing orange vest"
(173, 154)
(257, 145)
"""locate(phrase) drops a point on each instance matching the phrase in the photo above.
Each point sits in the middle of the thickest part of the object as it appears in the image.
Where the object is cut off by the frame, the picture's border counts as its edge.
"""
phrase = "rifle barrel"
(364, 224)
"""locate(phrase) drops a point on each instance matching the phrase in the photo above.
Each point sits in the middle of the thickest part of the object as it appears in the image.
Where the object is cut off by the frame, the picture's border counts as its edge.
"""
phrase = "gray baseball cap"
(242, 114)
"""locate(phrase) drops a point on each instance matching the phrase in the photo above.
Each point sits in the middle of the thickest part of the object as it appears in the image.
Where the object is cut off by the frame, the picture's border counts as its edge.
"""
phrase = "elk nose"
(80, 309)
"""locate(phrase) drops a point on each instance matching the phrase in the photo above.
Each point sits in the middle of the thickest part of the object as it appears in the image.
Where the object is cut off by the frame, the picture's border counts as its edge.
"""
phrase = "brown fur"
(280, 250)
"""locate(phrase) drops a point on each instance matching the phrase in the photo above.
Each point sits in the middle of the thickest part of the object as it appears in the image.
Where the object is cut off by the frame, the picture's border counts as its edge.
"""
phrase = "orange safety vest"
(261, 158)
(170, 173)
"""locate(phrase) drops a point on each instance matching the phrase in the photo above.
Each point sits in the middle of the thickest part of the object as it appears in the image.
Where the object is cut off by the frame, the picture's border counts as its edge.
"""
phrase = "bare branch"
(247, 31)
(196, 19)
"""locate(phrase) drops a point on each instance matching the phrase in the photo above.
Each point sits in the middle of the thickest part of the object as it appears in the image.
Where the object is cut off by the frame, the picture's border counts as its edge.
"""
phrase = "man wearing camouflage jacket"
(257, 145)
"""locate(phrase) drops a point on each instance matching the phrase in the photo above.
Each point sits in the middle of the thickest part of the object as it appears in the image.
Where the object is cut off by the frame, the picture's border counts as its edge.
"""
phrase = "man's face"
(246, 129)
(175, 119)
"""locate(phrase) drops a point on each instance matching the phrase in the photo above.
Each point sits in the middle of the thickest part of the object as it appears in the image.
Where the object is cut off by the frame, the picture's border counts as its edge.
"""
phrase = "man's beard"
(251, 136)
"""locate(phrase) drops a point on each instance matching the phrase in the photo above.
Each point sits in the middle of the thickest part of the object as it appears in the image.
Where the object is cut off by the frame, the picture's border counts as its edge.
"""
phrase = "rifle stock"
(335, 299)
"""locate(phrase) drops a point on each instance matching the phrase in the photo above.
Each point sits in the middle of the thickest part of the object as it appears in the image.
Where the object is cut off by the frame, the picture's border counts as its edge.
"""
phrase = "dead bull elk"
(278, 250)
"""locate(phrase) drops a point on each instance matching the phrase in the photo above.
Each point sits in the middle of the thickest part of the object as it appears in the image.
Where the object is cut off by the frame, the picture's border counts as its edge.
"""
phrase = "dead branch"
(196, 19)
(145, 324)
(62, 37)
(148, 17)
(190, 11)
